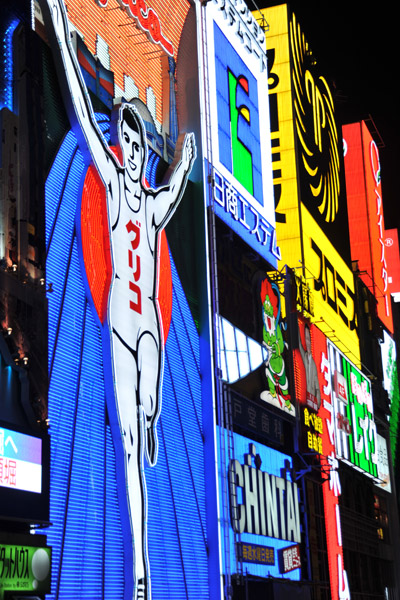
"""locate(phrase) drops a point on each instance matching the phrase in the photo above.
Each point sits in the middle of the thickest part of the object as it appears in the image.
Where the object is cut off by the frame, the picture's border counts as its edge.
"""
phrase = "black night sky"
(357, 49)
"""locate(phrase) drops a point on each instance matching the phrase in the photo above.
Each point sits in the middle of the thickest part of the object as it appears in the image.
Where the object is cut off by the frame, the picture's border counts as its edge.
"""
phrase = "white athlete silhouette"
(136, 216)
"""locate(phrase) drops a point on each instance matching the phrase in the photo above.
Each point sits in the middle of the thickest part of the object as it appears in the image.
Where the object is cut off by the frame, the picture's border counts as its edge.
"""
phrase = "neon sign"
(355, 433)
(24, 569)
(264, 507)
(238, 119)
(270, 506)
(20, 461)
(277, 393)
(147, 19)
(331, 487)
(366, 220)
(376, 172)
(131, 329)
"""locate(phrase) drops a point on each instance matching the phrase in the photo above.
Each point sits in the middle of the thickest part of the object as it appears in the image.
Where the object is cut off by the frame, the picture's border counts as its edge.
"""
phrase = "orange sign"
(367, 235)
(131, 38)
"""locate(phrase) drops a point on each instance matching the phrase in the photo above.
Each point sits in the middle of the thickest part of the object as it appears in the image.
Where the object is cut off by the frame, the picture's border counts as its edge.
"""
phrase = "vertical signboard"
(391, 385)
(277, 390)
(120, 327)
(236, 123)
(367, 235)
(311, 212)
(392, 254)
(320, 427)
(264, 517)
(356, 434)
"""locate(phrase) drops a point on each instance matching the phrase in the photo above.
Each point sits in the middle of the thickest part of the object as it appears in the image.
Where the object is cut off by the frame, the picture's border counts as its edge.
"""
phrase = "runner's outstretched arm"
(74, 90)
(165, 200)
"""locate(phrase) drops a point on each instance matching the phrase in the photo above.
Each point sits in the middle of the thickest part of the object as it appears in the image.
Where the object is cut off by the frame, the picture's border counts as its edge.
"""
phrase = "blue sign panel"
(239, 155)
(264, 514)
(238, 120)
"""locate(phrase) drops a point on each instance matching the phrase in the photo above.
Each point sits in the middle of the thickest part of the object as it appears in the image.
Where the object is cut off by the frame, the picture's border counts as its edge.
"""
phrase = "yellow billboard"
(282, 135)
(332, 287)
(311, 212)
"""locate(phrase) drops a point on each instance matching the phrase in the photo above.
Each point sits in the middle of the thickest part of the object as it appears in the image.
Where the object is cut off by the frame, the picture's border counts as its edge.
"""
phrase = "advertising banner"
(392, 254)
(236, 138)
(356, 435)
(320, 426)
(308, 186)
(366, 221)
(264, 511)
(20, 461)
(333, 288)
(125, 393)
(24, 569)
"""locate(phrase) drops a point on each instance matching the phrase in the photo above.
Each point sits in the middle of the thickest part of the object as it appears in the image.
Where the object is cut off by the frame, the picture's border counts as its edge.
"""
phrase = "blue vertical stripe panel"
(86, 535)
(176, 486)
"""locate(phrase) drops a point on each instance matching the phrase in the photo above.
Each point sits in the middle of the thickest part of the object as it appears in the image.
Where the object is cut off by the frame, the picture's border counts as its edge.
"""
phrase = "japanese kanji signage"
(237, 117)
(356, 437)
(20, 461)
(254, 553)
(289, 558)
(365, 208)
(256, 419)
(313, 429)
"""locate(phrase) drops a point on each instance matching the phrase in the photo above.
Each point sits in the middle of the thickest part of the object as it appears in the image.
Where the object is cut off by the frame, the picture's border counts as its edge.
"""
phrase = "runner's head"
(132, 142)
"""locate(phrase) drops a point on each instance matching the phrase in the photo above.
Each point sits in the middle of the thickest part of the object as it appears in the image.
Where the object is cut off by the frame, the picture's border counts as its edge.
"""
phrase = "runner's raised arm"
(75, 93)
(167, 197)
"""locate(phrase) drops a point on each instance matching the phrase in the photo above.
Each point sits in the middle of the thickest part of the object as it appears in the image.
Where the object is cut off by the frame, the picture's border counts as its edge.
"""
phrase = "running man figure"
(136, 216)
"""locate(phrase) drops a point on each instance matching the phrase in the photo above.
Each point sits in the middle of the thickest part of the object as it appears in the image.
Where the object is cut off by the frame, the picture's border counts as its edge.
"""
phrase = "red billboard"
(313, 383)
(392, 254)
(365, 209)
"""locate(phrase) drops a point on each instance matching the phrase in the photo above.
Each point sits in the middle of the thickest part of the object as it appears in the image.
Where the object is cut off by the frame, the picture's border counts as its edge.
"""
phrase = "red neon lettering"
(134, 287)
(136, 306)
(148, 20)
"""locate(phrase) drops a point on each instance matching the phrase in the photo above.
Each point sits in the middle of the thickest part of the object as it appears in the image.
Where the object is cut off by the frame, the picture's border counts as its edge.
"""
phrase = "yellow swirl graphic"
(315, 127)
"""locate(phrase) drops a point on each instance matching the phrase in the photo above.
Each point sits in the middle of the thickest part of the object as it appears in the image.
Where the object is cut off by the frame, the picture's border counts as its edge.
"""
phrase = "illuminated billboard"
(332, 287)
(311, 213)
(356, 434)
(24, 569)
(121, 339)
(20, 461)
(392, 254)
(391, 385)
(132, 39)
(277, 390)
(383, 465)
(321, 424)
(264, 511)
(236, 124)
(366, 221)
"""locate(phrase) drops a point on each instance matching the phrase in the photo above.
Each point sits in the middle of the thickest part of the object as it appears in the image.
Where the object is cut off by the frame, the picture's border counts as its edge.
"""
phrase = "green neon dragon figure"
(278, 385)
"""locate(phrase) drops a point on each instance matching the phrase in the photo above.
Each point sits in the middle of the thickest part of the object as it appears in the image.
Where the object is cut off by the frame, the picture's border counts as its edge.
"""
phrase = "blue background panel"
(86, 535)
(272, 463)
(249, 133)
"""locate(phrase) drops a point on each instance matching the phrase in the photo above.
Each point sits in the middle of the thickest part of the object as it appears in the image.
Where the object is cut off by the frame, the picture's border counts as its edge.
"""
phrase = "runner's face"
(132, 150)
